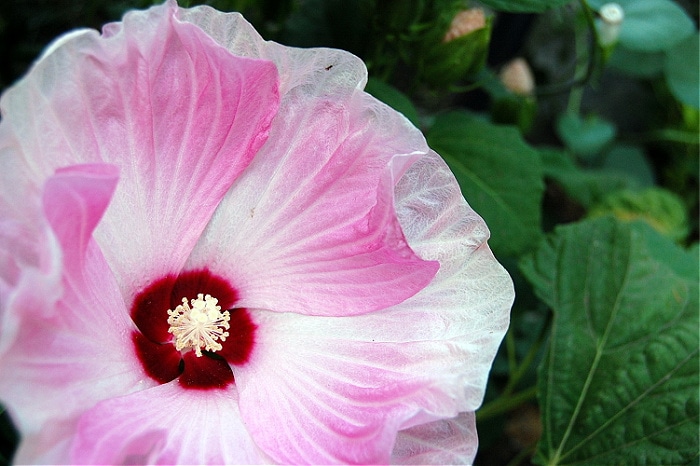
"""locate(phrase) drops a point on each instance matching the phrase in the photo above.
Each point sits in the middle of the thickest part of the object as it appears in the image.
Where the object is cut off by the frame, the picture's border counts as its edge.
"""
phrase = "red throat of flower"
(190, 329)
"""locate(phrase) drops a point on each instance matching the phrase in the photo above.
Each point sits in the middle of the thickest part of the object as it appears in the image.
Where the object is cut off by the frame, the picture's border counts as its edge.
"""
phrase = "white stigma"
(199, 326)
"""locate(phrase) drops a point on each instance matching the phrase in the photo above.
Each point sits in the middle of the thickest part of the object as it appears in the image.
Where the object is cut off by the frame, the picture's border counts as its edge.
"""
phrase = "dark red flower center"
(227, 333)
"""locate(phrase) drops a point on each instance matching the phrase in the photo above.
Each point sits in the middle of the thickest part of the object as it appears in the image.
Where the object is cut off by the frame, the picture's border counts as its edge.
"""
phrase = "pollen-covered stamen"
(199, 326)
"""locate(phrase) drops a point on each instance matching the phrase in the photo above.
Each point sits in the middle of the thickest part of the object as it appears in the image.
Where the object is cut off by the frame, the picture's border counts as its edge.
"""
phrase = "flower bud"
(611, 17)
(517, 77)
(457, 51)
(517, 106)
(464, 23)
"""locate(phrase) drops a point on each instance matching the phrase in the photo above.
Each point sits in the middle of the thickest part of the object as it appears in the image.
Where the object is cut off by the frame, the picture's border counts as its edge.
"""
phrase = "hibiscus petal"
(30, 258)
(469, 301)
(449, 441)
(71, 350)
(331, 398)
(340, 388)
(74, 201)
(313, 216)
(166, 425)
(314, 212)
(322, 71)
(178, 114)
(46, 446)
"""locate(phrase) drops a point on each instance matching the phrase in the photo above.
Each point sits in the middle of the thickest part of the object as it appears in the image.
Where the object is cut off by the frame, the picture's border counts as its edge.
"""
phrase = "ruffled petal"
(315, 228)
(449, 441)
(72, 348)
(166, 425)
(467, 305)
(313, 215)
(322, 71)
(30, 257)
(179, 115)
(341, 388)
(333, 395)
(74, 200)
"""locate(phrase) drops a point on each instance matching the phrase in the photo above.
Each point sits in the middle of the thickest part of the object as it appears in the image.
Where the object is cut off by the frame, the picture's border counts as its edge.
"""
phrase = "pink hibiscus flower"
(216, 249)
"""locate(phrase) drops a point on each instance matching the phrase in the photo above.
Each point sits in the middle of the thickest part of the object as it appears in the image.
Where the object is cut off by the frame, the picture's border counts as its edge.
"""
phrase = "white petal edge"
(449, 441)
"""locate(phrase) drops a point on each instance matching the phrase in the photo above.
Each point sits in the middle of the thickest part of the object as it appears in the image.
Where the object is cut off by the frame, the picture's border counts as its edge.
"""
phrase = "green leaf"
(619, 384)
(500, 175)
(661, 209)
(587, 186)
(651, 25)
(631, 161)
(682, 68)
(446, 63)
(636, 63)
(585, 137)
(393, 98)
(524, 6)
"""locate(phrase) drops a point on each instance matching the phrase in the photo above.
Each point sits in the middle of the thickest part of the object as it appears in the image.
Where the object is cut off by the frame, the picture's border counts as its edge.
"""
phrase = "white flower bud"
(517, 77)
(611, 17)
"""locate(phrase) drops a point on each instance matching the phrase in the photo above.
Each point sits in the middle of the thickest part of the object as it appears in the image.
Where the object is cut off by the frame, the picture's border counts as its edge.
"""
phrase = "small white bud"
(611, 17)
(517, 77)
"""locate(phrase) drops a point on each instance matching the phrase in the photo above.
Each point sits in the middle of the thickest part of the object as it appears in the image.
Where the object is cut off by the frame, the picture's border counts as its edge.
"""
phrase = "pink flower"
(340, 301)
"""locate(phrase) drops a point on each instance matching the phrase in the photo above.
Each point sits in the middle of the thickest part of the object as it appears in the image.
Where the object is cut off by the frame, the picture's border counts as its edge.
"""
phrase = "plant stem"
(585, 59)
(585, 69)
(519, 372)
(505, 404)
(507, 401)
(672, 135)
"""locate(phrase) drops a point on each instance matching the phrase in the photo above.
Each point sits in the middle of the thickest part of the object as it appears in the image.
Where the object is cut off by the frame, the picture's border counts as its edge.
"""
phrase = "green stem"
(521, 370)
(507, 401)
(584, 67)
(672, 135)
(504, 404)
